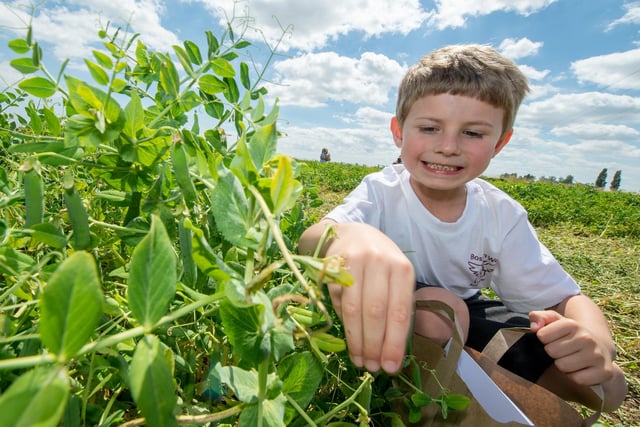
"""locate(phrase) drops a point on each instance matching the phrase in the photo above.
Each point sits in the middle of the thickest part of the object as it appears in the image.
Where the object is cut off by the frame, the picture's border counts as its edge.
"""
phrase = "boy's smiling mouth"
(441, 168)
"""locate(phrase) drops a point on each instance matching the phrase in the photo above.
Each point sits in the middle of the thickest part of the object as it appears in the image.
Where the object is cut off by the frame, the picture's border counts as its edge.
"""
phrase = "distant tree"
(601, 180)
(508, 176)
(529, 177)
(567, 180)
(615, 182)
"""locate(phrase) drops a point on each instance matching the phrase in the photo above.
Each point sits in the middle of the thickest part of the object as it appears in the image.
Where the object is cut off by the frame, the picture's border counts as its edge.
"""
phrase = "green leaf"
(211, 85)
(421, 399)
(244, 329)
(151, 382)
(71, 306)
(231, 210)
(152, 276)
(169, 78)
(38, 87)
(19, 46)
(52, 120)
(24, 65)
(243, 165)
(49, 234)
(284, 188)
(244, 76)
(134, 116)
(457, 402)
(301, 374)
(184, 60)
(103, 59)
(243, 383)
(193, 51)
(12, 262)
(36, 399)
(222, 67)
(272, 413)
(97, 72)
(262, 145)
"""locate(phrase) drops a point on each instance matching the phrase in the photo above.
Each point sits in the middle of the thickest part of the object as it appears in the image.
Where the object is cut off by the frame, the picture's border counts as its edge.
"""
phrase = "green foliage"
(615, 214)
(147, 266)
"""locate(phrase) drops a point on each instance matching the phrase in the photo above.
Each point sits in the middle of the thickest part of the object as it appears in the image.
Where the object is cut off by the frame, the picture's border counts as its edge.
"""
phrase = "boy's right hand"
(376, 310)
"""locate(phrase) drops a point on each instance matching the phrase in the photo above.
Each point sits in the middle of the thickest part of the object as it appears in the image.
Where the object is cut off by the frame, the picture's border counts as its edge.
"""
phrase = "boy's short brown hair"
(473, 70)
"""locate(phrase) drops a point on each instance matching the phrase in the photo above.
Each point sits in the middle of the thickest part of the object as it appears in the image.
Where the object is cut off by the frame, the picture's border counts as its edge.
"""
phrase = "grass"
(597, 244)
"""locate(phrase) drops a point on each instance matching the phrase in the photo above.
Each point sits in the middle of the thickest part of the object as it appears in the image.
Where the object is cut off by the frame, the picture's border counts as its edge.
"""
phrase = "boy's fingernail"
(390, 366)
(357, 360)
(372, 365)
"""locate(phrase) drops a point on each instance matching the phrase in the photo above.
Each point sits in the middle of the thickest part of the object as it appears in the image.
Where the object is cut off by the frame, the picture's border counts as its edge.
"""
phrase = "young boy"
(429, 228)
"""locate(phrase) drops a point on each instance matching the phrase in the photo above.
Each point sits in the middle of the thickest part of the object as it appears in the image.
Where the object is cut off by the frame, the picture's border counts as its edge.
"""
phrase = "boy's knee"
(437, 326)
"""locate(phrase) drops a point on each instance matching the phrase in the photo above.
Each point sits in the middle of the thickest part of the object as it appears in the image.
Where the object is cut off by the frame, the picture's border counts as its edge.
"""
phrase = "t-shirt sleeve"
(529, 276)
(359, 206)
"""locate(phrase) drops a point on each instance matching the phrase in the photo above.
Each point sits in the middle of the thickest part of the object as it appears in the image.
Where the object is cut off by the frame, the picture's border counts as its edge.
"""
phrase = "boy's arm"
(576, 335)
(376, 310)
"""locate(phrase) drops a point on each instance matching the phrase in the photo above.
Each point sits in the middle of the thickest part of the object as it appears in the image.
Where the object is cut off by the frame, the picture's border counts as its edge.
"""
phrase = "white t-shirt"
(491, 244)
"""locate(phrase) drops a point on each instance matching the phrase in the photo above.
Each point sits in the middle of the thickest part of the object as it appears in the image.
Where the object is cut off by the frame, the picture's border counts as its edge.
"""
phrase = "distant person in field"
(429, 228)
(325, 156)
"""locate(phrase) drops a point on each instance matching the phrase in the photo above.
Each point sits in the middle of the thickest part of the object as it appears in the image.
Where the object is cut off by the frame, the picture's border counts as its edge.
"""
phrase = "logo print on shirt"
(480, 265)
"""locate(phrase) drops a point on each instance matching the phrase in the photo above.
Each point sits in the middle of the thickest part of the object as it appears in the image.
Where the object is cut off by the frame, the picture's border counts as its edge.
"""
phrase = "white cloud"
(313, 80)
(597, 131)
(520, 48)
(631, 17)
(8, 75)
(587, 107)
(367, 140)
(314, 24)
(619, 70)
(71, 27)
(533, 74)
(550, 157)
(454, 13)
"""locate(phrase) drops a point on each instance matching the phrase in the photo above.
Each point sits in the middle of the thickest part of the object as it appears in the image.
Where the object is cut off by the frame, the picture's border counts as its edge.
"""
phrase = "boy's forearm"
(582, 309)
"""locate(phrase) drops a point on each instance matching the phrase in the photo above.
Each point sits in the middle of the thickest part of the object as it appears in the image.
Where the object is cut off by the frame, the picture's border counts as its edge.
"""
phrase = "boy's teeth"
(441, 167)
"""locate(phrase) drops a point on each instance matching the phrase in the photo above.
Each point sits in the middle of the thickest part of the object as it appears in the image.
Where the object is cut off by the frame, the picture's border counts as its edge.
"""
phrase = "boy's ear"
(396, 131)
(500, 145)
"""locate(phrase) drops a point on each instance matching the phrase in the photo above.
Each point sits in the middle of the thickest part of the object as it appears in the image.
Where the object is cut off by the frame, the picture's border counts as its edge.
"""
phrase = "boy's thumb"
(541, 318)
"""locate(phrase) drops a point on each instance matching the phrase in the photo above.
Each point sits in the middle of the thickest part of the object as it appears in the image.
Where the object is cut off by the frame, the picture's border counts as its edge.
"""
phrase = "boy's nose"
(449, 145)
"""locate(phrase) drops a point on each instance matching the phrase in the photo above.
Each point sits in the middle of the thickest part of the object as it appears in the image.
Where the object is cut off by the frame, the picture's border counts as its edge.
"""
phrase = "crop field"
(595, 235)
(148, 265)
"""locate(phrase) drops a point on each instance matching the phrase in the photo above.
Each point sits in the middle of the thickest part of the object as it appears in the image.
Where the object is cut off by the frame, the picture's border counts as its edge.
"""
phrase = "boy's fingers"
(541, 318)
(351, 314)
(374, 313)
(399, 313)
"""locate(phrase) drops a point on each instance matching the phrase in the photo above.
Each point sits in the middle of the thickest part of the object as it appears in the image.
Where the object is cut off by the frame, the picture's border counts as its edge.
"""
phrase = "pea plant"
(148, 272)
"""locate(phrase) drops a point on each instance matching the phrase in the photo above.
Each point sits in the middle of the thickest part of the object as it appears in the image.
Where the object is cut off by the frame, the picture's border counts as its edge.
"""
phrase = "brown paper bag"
(542, 407)
(431, 357)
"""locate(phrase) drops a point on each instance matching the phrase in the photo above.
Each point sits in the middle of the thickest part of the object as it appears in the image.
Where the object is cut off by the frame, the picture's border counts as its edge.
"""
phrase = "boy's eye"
(428, 129)
(473, 134)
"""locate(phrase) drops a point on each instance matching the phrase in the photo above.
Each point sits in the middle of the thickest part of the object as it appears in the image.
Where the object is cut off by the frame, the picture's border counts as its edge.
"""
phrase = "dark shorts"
(526, 357)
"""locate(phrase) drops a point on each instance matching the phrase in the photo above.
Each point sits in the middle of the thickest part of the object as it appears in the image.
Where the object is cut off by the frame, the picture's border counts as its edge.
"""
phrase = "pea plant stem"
(29, 361)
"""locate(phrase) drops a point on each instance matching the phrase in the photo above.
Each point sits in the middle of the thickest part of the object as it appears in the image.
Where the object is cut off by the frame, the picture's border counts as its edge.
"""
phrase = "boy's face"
(448, 140)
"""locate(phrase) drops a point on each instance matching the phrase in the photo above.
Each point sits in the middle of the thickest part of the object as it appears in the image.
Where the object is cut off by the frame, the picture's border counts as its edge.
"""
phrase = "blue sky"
(337, 70)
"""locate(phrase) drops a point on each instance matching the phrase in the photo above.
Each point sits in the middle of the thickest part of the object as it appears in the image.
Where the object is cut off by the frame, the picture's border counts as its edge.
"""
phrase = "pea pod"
(77, 216)
(181, 173)
(303, 316)
(328, 343)
(186, 254)
(33, 198)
